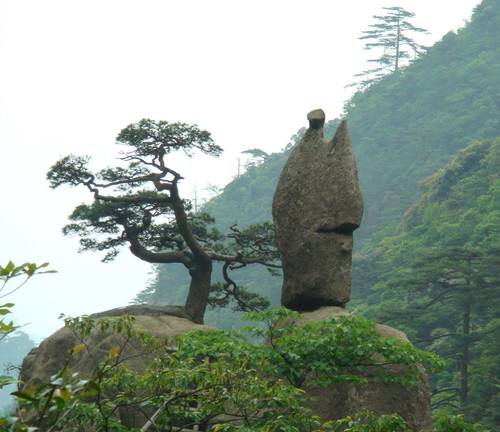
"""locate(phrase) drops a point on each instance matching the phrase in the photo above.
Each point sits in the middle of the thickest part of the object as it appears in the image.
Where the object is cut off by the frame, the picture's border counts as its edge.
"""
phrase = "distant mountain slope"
(411, 123)
(459, 207)
(13, 349)
(403, 128)
(436, 276)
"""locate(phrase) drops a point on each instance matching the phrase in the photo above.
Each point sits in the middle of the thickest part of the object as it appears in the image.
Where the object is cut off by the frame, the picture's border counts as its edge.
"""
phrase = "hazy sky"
(74, 73)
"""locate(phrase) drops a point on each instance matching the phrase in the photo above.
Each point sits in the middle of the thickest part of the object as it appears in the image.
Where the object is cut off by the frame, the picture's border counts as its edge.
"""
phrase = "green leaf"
(24, 394)
(6, 380)
(77, 348)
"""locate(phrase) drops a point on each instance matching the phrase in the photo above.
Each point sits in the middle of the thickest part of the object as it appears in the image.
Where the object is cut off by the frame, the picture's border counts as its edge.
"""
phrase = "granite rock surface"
(316, 207)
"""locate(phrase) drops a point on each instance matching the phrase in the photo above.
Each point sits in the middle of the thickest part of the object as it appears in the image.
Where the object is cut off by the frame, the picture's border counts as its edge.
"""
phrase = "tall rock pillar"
(316, 208)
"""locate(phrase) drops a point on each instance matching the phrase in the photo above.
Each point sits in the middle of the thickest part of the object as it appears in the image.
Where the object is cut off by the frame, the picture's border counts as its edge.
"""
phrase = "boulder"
(412, 402)
(49, 357)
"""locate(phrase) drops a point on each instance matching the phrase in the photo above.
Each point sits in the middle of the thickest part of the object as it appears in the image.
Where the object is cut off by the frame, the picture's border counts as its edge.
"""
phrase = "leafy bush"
(221, 379)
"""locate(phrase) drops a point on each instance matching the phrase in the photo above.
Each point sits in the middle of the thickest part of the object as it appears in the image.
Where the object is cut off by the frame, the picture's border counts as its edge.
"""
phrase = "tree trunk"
(398, 39)
(464, 360)
(197, 298)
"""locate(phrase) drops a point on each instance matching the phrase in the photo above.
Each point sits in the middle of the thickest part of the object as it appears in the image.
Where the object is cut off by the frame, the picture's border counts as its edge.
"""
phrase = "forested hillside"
(411, 123)
(403, 128)
(436, 276)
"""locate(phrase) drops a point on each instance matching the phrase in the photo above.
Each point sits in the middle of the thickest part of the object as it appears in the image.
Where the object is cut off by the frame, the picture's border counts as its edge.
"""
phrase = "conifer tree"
(138, 204)
(391, 35)
(451, 293)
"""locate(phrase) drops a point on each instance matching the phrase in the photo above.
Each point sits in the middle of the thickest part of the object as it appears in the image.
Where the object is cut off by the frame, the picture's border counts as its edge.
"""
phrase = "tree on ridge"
(391, 34)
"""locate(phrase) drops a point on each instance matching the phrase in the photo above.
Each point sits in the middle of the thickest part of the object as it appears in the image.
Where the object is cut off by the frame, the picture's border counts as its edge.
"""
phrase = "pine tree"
(138, 204)
(390, 34)
(452, 299)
